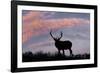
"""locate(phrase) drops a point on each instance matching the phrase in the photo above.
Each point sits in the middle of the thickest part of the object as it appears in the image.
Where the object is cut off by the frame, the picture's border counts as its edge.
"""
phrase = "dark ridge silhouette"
(40, 56)
(62, 45)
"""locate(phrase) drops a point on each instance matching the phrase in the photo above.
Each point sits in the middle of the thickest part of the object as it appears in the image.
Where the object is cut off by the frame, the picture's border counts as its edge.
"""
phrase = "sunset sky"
(37, 26)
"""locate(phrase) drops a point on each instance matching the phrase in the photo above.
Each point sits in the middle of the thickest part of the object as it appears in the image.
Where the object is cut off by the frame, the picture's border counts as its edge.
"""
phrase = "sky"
(36, 26)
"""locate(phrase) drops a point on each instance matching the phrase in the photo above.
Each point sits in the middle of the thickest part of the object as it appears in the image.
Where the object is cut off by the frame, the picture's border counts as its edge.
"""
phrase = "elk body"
(62, 45)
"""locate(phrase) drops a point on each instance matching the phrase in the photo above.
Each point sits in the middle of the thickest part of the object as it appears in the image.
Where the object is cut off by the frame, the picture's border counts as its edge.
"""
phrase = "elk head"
(56, 38)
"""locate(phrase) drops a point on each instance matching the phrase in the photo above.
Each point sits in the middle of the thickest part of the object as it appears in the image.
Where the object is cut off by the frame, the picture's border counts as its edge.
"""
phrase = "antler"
(51, 34)
(61, 36)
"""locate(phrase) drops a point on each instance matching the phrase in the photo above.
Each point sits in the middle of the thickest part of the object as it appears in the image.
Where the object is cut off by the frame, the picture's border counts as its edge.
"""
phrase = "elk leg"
(71, 53)
(58, 51)
(63, 52)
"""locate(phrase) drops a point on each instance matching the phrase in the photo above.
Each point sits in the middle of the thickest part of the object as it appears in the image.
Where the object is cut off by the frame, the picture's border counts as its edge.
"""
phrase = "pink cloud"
(31, 15)
(34, 26)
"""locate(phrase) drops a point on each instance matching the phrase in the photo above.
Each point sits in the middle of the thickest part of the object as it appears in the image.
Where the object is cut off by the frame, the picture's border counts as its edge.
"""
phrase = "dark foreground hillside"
(30, 57)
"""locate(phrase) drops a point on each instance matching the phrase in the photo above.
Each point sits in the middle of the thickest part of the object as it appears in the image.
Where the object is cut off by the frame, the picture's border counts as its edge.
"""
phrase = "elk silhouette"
(62, 45)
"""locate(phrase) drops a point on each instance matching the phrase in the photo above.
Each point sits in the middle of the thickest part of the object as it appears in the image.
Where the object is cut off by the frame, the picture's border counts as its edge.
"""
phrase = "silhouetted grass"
(40, 56)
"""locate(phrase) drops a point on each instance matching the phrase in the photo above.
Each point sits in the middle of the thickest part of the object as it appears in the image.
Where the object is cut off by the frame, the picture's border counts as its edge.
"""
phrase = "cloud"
(41, 44)
(30, 15)
(34, 24)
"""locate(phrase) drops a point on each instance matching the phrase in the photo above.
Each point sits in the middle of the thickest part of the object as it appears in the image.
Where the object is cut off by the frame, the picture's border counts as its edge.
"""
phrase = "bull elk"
(62, 45)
